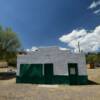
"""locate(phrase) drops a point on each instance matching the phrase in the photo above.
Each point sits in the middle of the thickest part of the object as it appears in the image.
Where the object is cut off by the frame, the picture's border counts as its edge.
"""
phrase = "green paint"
(23, 69)
(34, 80)
(33, 73)
(56, 79)
(73, 73)
(60, 79)
(48, 73)
(30, 70)
(82, 80)
(36, 70)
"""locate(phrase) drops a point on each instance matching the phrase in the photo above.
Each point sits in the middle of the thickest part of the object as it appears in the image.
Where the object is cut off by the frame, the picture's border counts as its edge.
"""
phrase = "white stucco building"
(51, 65)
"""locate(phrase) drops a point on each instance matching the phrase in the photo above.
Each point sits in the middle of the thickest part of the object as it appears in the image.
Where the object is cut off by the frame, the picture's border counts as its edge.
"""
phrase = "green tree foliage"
(93, 58)
(9, 44)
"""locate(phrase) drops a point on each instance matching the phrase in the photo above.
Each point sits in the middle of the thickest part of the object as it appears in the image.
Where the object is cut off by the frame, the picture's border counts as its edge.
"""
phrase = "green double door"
(31, 70)
(48, 73)
(73, 73)
(31, 73)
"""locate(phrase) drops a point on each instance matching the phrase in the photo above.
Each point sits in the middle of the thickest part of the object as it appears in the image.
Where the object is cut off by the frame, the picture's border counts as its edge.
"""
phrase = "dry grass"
(11, 91)
(33, 92)
(94, 75)
(8, 82)
(3, 69)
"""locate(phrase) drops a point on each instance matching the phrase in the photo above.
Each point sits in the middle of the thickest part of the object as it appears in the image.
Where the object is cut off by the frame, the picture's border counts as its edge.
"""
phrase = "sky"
(53, 22)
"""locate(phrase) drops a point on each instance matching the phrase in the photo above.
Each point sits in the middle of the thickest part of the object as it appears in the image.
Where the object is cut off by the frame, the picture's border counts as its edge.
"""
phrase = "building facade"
(51, 66)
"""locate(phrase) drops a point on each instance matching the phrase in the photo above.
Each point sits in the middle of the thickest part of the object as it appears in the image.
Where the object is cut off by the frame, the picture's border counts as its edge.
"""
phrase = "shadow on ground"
(7, 75)
(90, 82)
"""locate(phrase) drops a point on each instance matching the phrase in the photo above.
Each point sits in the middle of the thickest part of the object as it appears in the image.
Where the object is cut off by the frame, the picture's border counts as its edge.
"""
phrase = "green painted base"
(52, 80)
(83, 80)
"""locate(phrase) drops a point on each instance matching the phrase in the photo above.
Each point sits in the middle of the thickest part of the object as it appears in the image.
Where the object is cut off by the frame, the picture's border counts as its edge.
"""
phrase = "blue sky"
(43, 22)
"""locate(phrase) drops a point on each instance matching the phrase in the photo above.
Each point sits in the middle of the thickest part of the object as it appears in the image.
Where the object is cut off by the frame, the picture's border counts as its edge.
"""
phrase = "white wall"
(59, 58)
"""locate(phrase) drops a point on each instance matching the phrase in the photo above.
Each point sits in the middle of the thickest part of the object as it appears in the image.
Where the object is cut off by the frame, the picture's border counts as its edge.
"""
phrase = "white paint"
(59, 58)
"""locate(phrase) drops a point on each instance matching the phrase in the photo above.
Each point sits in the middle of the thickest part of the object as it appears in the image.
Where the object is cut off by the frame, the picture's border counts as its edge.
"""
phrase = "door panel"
(36, 70)
(23, 69)
(31, 70)
(73, 73)
(48, 73)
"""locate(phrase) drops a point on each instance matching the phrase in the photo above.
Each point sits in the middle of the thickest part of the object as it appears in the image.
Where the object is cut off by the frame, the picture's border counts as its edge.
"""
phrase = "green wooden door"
(73, 73)
(48, 73)
(36, 70)
(24, 68)
(31, 72)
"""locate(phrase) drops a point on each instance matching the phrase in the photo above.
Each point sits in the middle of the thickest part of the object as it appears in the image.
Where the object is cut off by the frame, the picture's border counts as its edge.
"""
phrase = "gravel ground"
(33, 92)
(9, 90)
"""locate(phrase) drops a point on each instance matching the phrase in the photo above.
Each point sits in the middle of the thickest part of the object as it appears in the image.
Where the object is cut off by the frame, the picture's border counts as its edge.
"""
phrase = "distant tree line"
(93, 58)
(9, 45)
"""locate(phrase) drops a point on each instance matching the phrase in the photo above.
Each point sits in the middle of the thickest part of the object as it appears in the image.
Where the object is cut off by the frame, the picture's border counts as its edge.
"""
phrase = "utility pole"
(79, 47)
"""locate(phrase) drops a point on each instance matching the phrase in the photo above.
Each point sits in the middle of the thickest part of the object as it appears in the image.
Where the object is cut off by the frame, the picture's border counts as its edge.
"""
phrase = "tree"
(9, 44)
(93, 58)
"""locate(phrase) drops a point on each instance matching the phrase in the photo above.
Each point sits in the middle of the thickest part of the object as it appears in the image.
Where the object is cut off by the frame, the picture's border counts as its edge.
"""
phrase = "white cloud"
(94, 4)
(89, 40)
(27, 50)
(64, 49)
(32, 49)
(35, 48)
(97, 11)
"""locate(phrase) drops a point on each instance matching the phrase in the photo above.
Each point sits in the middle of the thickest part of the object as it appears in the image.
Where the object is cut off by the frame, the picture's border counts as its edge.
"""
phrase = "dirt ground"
(9, 90)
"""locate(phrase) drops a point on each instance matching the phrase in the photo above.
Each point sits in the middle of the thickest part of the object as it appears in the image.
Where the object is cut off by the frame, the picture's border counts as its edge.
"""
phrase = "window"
(72, 71)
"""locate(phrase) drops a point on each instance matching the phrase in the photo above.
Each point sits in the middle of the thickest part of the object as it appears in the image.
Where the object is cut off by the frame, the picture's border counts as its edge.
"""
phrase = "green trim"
(56, 79)
(82, 80)
(34, 80)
